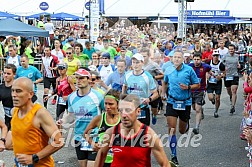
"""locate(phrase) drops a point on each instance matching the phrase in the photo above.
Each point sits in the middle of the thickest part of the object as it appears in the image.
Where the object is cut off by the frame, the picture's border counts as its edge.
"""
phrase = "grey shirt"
(231, 63)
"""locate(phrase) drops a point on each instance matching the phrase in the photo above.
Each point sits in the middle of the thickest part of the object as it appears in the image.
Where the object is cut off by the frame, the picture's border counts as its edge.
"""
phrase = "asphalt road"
(217, 145)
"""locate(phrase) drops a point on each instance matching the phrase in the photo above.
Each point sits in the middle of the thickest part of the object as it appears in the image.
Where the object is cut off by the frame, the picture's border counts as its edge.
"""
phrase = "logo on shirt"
(116, 150)
(30, 75)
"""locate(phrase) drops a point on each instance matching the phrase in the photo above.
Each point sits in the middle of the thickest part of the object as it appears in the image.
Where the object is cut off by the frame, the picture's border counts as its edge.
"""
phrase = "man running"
(5, 95)
(231, 62)
(144, 137)
(181, 80)
(32, 128)
(214, 83)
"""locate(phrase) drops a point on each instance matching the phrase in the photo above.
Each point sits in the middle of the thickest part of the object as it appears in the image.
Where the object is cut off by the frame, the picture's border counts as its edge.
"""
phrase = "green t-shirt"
(67, 45)
(28, 52)
(112, 51)
(41, 25)
(84, 59)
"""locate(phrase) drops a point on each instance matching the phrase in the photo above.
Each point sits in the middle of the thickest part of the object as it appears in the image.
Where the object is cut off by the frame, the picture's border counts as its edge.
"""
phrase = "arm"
(102, 153)
(124, 89)
(8, 144)
(42, 67)
(93, 124)
(38, 80)
(164, 88)
(157, 149)
(71, 83)
(3, 135)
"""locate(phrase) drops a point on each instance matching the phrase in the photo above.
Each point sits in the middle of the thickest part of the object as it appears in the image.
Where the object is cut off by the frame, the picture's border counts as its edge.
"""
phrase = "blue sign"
(87, 5)
(208, 13)
(43, 6)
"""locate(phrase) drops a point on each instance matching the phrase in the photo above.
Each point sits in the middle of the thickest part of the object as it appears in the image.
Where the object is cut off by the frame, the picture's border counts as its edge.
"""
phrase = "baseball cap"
(62, 66)
(106, 54)
(83, 72)
(216, 52)
(138, 56)
(70, 39)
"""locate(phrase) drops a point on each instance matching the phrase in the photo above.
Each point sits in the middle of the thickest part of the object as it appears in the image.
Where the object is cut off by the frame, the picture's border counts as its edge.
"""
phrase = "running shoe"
(53, 102)
(232, 110)
(216, 114)
(195, 131)
(174, 162)
(154, 120)
(213, 101)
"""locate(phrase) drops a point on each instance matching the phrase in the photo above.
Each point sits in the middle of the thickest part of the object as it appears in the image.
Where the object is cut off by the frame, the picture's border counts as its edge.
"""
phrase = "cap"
(216, 52)
(64, 65)
(138, 56)
(106, 54)
(92, 68)
(83, 72)
(187, 54)
(70, 39)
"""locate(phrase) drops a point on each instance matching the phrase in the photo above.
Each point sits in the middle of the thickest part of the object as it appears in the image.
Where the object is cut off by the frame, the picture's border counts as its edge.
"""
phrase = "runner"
(81, 115)
(30, 72)
(30, 136)
(181, 80)
(105, 121)
(5, 95)
(144, 137)
(231, 62)
(214, 82)
(64, 87)
(141, 83)
(198, 95)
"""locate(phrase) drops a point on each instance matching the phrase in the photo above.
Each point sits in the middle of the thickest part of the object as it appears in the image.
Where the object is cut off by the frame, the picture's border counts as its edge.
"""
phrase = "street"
(217, 145)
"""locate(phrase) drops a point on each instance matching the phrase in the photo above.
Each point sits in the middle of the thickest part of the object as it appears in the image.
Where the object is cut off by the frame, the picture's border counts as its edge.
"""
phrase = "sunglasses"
(215, 55)
(93, 79)
(104, 58)
(61, 68)
(68, 53)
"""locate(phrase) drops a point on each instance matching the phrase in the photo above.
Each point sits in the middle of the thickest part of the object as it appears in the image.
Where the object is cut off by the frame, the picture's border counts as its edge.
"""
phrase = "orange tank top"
(28, 139)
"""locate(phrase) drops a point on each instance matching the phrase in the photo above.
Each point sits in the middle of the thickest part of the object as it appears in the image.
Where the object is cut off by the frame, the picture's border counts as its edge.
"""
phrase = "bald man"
(32, 127)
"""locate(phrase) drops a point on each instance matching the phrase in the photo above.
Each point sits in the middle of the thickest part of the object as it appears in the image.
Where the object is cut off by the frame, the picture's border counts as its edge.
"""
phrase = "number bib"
(7, 111)
(61, 101)
(213, 80)
(179, 105)
(229, 78)
(20, 165)
(85, 146)
(142, 114)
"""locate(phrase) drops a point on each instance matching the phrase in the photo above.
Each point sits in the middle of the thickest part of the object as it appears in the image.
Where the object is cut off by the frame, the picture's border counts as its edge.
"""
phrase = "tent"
(205, 20)
(5, 15)
(65, 16)
(17, 28)
(36, 16)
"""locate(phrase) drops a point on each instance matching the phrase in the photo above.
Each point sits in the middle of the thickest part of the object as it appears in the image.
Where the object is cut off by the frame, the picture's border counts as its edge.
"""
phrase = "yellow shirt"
(72, 66)
(27, 139)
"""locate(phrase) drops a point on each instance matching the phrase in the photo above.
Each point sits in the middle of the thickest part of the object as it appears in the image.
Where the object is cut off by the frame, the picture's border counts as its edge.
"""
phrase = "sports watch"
(35, 158)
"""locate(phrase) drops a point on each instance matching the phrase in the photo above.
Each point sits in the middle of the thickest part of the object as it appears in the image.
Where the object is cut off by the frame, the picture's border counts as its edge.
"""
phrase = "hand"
(24, 159)
(218, 77)
(50, 68)
(46, 98)
(248, 134)
(163, 96)
(245, 76)
(65, 98)
(2, 146)
(59, 122)
(146, 101)
(96, 147)
(183, 86)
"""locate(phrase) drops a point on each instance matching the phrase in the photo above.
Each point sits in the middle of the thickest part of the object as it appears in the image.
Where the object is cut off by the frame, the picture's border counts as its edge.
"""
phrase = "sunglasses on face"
(215, 55)
(61, 68)
(104, 58)
(93, 79)
(68, 53)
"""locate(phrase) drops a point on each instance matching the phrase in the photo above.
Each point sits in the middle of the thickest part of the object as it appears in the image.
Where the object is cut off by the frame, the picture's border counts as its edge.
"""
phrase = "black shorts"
(211, 88)
(184, 115)
(146, 120)
(154, 103)
(84, 155)
(60, 110)
(48, 82)
(199, 98)
(235, 81)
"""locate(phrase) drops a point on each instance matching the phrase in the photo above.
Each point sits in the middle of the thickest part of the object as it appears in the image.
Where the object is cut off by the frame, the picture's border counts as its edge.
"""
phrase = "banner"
(94, 20)
(206, 13)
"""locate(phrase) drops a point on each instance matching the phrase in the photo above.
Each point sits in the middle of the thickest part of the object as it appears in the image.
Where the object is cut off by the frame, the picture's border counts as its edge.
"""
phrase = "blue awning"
(36, 16)
(5, 15)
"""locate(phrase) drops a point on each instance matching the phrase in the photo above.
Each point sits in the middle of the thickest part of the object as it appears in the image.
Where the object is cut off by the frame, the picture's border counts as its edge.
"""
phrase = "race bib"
(7, 111)
(19, 165)
(61, 101)
(142, 114)
(85, 146)
(213, 80)
(179, 105)
(229, 78)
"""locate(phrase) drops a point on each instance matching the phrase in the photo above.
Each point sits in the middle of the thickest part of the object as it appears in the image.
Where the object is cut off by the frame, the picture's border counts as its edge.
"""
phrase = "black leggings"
(60, 110)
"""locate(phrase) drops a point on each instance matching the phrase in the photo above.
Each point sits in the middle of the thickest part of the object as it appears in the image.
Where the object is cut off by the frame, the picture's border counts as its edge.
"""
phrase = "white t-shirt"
(13, 60)
(105, 72)
(49, 27)
(59, 54)
(223, 51)
(98, 46)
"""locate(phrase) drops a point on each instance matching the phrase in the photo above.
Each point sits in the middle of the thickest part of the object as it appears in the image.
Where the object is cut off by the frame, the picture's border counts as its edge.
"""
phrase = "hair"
(121, 60)
(12, 46)
(12, 67)
(47, 47)
(24, 55)
(196, 40)
(79, 45)
(179, 51)
(131, 98)
(145, 50)
(94, 73)
(71, 48)
(232, 45)
(197, 55)
(48, 18)
(115, 93)
(87, 43)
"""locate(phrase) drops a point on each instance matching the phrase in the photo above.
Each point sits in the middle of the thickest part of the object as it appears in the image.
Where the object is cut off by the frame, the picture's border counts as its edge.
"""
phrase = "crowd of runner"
(112, 90)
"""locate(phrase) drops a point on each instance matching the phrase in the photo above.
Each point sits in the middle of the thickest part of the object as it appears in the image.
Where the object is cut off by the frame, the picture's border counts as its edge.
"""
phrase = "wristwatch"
(35, 158)
(189, 87)
(3, 139)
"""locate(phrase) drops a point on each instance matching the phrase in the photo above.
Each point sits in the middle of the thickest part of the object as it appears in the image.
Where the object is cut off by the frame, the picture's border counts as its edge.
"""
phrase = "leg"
(47, 85)
(234, 94)
(229, 91)
(54, 87)
(198, 114)
(81, 155)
